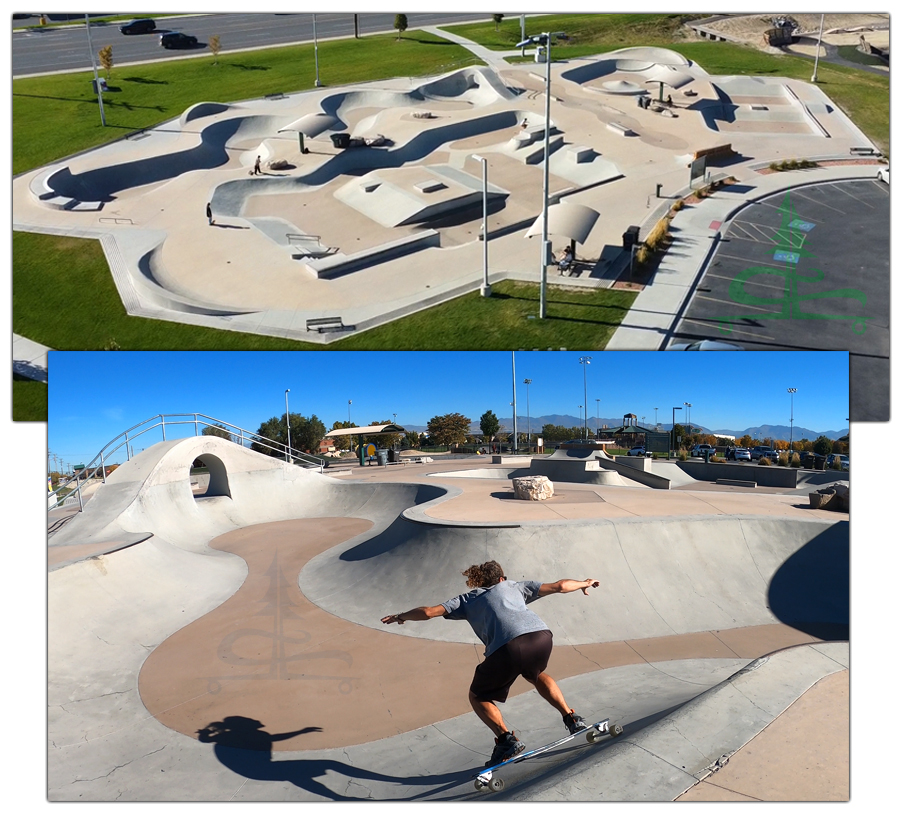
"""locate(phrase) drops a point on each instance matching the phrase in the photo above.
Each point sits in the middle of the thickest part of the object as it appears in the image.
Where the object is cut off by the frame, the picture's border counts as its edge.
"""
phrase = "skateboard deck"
(594, 733)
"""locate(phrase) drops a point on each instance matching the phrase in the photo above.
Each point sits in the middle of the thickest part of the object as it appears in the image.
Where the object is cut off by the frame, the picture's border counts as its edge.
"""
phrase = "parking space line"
(717, 327)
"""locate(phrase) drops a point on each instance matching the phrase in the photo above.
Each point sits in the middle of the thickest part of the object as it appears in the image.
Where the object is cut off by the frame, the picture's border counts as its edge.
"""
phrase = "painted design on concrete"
(790, 248)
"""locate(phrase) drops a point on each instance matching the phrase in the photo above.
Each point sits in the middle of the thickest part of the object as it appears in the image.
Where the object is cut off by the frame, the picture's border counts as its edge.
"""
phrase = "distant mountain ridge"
(779, 432)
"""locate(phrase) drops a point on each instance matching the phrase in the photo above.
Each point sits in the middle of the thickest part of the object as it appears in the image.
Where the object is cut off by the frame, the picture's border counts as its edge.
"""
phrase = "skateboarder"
(517, 642)
(256, 170)
(209, 216)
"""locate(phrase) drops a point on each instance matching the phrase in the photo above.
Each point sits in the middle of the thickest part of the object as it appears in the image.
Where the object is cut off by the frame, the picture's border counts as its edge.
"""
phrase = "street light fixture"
(287, 421)
(545, 40)
(584, 361)
(527, 382)
(674, 409)
(792, 392)
(316, 51)
(349, 419)
(598, 416)
(688, 413)
(818, 46)
(97, 87)
(485, 286)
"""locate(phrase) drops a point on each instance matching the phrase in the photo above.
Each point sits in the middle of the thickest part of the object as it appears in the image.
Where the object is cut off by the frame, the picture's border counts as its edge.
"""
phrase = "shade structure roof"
(571, 220)
(676, 78)
(312, 125)
(366, 430)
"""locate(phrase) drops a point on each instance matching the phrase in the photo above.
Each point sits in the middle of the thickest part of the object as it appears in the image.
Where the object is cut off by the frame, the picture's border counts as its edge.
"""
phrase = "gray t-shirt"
(497, 614)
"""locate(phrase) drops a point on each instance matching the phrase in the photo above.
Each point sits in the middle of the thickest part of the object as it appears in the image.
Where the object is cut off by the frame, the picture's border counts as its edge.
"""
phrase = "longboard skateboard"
(486, 780)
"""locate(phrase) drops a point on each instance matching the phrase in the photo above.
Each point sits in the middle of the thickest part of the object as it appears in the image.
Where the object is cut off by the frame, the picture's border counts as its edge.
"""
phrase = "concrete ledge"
(727, 482)
(340, 264)
(619, 129)
(777, 476)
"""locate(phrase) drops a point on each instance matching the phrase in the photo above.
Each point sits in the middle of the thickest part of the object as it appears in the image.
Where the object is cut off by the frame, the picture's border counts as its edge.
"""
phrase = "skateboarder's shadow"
(243, 747)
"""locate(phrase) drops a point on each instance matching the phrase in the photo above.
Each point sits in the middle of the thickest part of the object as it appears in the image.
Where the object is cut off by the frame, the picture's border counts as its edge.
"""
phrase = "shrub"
(765, 462)
(795, 460)
(717, 459)
(658, 233)
(678, 205)
(838, 463)
(682, 455)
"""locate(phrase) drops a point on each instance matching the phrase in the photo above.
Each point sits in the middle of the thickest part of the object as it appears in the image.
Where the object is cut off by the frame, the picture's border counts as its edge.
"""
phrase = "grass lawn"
(142, 96)
(29, 399)
(68, 296)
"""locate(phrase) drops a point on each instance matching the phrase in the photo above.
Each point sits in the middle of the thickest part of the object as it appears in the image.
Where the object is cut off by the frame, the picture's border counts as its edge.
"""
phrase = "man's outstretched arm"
(417, 614)
(565, 585)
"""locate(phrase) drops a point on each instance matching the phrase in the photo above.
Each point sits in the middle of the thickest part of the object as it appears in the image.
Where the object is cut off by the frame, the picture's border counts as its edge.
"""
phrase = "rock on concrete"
(533, 488)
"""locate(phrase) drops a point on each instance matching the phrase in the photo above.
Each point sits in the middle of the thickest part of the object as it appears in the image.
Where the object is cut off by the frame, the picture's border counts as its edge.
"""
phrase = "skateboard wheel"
(615, 730)
(480, 786)
(495, 785)
(594, 736)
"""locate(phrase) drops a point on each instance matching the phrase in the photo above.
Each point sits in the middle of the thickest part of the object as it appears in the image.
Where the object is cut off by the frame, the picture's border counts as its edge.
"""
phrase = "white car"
(638, 451)
(701, 449)
(884, 175)
(704, 346)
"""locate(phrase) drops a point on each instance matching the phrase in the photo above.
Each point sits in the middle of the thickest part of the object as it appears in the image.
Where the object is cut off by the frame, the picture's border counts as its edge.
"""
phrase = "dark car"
(177, 40)
(142, 26)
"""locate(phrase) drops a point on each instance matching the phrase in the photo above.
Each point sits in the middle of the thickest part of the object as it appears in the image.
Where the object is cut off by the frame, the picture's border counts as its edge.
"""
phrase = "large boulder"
(533, 488)
(835, 497)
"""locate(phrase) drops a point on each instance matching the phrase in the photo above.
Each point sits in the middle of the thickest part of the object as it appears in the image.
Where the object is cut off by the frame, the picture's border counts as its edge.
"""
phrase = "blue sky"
(94, 396)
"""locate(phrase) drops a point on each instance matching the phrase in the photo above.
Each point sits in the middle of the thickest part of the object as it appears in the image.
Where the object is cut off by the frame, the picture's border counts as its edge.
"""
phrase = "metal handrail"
(96, 467)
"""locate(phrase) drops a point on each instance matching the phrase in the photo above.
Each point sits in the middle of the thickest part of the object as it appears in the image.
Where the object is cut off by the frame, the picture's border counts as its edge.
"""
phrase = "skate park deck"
(237, 652)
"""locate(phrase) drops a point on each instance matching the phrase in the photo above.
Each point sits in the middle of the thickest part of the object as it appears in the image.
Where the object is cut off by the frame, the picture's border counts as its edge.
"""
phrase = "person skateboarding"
(517, 642)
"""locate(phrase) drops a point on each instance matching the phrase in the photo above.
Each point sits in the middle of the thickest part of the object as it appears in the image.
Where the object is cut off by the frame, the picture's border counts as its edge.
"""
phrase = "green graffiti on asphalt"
(790, 241)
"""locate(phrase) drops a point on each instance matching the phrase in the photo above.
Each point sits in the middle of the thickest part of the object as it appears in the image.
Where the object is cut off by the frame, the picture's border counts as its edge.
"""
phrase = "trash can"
(341, 140)
(808, 461)
(382, 457)
(820, 461)
(706, 454)
(630, 237)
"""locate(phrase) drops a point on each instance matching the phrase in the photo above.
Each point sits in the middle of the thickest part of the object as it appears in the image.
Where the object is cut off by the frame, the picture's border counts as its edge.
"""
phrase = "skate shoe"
(506, 746)
(574, 723)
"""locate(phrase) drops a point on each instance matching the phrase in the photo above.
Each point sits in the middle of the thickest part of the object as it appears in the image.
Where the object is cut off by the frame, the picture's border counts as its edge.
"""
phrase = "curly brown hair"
(484, 575)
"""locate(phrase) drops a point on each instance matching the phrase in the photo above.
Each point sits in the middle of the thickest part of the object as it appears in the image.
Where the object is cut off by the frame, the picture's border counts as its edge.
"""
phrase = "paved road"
(46, 50)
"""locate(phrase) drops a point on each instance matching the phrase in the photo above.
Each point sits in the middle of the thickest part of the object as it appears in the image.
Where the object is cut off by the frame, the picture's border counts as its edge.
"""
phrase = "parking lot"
(806, 269)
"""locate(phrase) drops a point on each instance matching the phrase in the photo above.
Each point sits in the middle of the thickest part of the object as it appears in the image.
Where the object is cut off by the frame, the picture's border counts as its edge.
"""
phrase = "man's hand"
(392, 619)
(590, 583)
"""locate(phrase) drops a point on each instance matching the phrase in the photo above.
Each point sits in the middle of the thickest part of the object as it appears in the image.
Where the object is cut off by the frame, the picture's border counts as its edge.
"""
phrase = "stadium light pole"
(348, 413)
(485, 286)
(287, 421)
(515, 418)
(598, 416)
(316, 51)
(791, 392)
(545, 39)
(584, 361)
(818, 46)
(527, 382)
(674, 409)
(688, 408)
(87, 25)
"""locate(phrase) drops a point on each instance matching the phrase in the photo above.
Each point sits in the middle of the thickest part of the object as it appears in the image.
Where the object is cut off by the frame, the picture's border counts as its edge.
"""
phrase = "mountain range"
(778, 432)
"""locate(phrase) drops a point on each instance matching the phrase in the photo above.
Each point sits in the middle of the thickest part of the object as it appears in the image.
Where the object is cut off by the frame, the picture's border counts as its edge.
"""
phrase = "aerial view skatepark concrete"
(390, 225)
(223, 641)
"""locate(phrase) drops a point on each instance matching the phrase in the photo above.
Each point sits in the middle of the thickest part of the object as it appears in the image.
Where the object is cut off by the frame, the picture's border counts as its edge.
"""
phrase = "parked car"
(884, 175)
(771, 454)
(177, 40)
(143, 25)
(702, 449)
(638, 451)
(845, 461)
(703, 346)
(741, 453)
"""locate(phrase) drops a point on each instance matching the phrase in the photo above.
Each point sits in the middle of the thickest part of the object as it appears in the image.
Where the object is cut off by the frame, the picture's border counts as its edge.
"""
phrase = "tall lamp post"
(598, 416)
(349, 419)
(545, 40)
(674, 409)
(287, 421)
(485, 286)
(792, 392)
(316, 51)
(688, 408)
(87, 25)
(527, 382)
(584, 361)
(515, 418)
(818, 45)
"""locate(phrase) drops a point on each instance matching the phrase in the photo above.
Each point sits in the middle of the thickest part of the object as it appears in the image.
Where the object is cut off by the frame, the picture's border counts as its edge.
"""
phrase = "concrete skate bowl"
(229, 198)
(104, 184)
(635, 60)
(660, 577)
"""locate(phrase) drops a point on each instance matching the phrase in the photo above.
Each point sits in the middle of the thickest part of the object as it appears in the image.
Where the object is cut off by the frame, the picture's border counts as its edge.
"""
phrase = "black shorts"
(526, 655)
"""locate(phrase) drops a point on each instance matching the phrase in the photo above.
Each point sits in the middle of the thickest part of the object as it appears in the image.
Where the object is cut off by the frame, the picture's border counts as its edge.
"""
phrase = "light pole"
(515, 419)
(545, 40)
(485, 286)
(818, 45)
(656, 417)
(527, 382)
(87, 25)
(598, 416)
(287, 421)
(674, 409)
(792, 392)
(316, 51)
(584, 361)
(688, 412)
(349, 419)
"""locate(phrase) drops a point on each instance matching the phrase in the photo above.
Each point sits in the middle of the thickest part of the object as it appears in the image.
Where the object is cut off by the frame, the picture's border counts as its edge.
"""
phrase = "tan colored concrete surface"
(772, 767)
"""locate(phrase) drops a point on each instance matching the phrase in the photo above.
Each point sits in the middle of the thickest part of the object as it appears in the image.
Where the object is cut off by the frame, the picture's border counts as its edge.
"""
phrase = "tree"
(343, 442)
(106, 59)
(217, 432)
(306, 434)
(745, 441)
(823, 446)
(412, 438)
(490, 425)
(386, 440)
(215, 46)
(401, 24)
(498, 19)
(449, 429)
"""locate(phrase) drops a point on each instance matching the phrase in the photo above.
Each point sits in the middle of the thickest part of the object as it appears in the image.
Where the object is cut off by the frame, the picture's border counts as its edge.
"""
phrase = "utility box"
(631, 237)
(102, 84)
